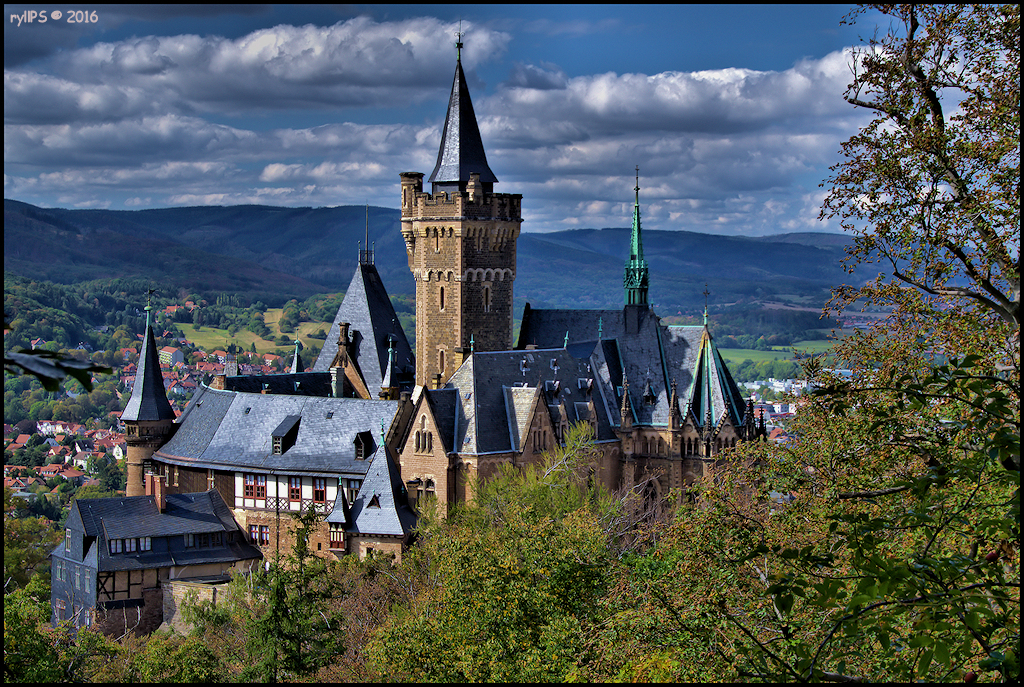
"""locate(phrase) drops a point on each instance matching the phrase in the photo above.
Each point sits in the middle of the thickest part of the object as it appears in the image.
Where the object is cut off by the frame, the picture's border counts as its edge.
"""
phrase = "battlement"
(473, 204)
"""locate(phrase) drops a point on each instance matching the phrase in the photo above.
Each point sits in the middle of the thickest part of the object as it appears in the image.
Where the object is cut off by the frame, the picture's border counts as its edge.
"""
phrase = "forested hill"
(299, 251)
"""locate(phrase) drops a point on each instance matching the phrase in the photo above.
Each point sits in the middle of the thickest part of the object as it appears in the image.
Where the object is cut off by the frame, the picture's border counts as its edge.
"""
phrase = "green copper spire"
(635, 279)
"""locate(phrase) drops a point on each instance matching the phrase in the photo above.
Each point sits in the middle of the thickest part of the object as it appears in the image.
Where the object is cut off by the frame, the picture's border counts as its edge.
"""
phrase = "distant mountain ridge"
(300, 251)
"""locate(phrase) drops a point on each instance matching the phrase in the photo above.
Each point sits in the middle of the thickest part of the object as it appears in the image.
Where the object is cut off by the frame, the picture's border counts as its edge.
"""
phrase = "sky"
(733, 113)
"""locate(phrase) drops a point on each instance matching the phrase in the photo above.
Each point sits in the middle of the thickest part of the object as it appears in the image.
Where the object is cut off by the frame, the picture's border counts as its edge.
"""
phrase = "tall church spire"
(635, 279)
(462, 149)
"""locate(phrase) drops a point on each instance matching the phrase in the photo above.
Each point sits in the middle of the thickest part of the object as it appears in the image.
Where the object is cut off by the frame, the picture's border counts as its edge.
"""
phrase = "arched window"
(440, 361)
(487, 299)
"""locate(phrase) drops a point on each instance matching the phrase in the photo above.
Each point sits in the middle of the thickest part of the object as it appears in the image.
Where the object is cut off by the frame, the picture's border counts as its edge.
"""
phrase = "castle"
(374, 429)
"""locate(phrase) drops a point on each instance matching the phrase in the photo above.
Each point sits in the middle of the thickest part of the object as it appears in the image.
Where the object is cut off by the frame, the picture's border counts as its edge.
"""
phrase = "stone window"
(441, 298)
(487, 299)
(67, 541)
(264, 535)
(337, 536)
(254, 534)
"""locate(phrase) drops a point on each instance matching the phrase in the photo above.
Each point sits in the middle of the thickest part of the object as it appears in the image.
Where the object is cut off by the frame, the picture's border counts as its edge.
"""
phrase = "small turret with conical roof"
(148, 417)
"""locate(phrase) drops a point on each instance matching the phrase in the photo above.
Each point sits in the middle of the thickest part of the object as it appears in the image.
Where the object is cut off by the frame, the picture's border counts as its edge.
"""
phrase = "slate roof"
(493, 387)
(296, 384)
(148, 401)
(231, 430)
(649, 354)
(462, 149)
(372, 324)
(382, 505)
(138, 516)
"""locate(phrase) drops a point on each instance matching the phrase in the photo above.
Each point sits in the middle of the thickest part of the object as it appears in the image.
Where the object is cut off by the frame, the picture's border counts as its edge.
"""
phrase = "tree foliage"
(515, 579)
(931, 187)
(903, 560)
(278, 623)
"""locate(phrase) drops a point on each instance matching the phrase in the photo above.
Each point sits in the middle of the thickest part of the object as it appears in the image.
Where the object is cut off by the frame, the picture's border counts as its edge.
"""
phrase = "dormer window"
(67, 540)
(285, 434)
(364, 445)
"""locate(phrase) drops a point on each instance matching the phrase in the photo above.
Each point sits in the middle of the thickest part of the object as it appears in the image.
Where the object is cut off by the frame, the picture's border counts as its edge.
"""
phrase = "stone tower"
(148, 417)
(461, 244)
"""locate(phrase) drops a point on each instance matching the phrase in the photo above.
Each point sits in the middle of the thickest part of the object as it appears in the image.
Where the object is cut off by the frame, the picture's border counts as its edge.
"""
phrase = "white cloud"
(357, 62)
(730, 150)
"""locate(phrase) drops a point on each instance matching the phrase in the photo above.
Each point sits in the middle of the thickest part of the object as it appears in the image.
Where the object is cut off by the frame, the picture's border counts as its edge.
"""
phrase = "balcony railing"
(285, 504)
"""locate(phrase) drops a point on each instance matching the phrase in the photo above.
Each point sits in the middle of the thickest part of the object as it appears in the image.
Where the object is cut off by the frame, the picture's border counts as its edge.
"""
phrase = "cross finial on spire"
(472, 345)
(565, 344)
(637, 189)
(458, 43)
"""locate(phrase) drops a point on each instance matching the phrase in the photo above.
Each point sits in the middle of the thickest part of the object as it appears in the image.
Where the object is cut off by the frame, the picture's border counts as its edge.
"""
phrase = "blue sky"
(732, 112)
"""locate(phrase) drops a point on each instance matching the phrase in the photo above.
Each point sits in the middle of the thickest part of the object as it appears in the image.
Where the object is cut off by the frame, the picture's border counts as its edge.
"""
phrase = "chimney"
(219, 382)
(160, 492)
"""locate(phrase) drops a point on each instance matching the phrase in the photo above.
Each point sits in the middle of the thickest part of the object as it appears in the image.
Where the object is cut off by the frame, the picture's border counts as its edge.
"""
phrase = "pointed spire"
(635, 280)
(148, 401)
(462, 149)
(706, 294)
(297, 365)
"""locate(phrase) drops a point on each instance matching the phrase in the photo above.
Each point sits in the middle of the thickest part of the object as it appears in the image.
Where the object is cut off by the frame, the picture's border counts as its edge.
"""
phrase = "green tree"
(904, 562)
(27, 545)
(28, 649)
(517, 577)
(279, 623)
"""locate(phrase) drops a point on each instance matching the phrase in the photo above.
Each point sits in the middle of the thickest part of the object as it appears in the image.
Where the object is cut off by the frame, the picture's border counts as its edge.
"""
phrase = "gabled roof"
(138, 516)
(148, 401)
(495, 392)
(462, 149)
(230, 430)
(373, 323)
(382, 505)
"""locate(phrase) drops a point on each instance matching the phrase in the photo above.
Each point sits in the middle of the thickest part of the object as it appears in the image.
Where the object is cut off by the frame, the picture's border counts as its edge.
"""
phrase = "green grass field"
(738, 355)
(210, 339)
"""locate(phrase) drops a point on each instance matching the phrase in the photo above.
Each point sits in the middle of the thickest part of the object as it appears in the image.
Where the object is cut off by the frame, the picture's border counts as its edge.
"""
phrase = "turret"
(148, 417)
